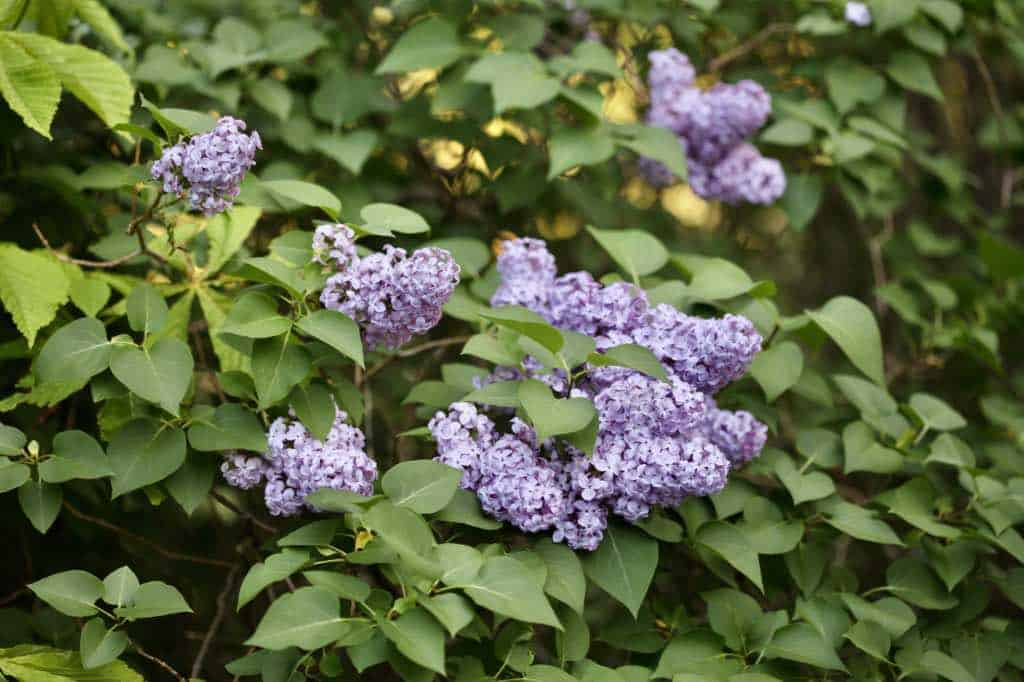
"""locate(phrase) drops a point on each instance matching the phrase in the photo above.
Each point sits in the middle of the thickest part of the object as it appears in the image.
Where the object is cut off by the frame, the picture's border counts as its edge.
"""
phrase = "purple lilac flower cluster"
(712, 126)
(658, 442)
(393, 296)
(209, 168)
(858, 14)
(297, 464)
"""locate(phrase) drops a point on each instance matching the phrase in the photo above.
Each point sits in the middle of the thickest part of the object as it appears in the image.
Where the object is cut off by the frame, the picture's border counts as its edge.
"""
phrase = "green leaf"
(778, 368)
(76, 454)
(498, 393)
(277, 366)
(464, 508)
(508, 588)
(858, 522)
(345, 586)
(803, 487)
(565, 580)
(660, 144)
(946, 12)
(308, 618)
(850, 83)
(418, 636)
(73, 593)
(935, 413)
(335, 329)
(623, 565)
(861, 452)
(13, 475)
(160, 374)
(99, 646)
(804, 192)
(305, 193)
(147, 311)
(914, 502)
(788, 132)
(41, 503)
(430, 44)
(351, 150)
(697, 652)
(913, 581)
(889, 14)
(891, 614)
(12, 440)
(76, 353)
(119, 586)
(766, 529)
(227, 233)
(388, 218)
(453, 611)
(100, 83)
(731, 544)
(530, 87)
(36, 663)
(312, 534)
(527, 323)
(938, 663)
(800, 642)
(315, 408)
(637, 252)
(90, 295)
(32, 306)
(472, 255)
(554, 416)
(143, 453)
(272, 95)
(911, 70)
(407, 533)
(732, 614)
(231, 427)
(254, 315)
(424, 486)
(852, 326)
(632, 356)
(267, 572)
(579, 147)
(869, 638)
(152, 600)
(31, 88)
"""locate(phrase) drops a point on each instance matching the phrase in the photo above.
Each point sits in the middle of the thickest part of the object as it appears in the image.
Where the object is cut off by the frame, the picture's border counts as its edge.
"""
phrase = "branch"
(243, 513)
(743, 49)
(103, 523)
(415, 350)
(160, 662)
(218, 618)
(113, 263)
(1006, 193)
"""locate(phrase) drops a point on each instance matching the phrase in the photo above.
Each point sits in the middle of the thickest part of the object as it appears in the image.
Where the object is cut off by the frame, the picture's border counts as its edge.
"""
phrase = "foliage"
(876, 537)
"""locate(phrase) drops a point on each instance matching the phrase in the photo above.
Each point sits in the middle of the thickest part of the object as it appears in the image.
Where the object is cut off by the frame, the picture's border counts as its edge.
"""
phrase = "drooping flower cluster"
(712, 125)
(297, 464)
(657, 443)
(209, 168)
(393, 296)
(858, 14)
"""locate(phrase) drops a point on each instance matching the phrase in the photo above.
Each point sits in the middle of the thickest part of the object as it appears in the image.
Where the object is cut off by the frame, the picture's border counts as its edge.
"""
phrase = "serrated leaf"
(31, 88)
(32, 306)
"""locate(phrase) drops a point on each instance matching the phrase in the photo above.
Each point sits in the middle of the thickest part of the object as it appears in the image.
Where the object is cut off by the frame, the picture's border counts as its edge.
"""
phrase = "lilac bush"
(658, 441)
(392, 295)
(712, 126)
(209, 168)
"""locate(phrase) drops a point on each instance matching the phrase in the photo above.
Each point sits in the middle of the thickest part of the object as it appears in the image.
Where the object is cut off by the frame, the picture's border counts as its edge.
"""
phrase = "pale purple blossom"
(297, 464)
(858, 14)
(209, 168)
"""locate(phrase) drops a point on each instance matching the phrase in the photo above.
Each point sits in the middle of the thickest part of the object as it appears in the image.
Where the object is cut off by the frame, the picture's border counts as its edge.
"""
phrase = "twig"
(415, 350)
(243, 513)
(160, 662)
(743, 49)
(4, 601)
(103, 523)
(1006, 193)
(218, 618)
(135, 227)
(61, 256)
(875, 245)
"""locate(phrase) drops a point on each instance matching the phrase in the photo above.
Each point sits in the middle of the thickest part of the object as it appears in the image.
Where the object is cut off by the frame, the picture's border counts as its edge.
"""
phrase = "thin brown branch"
(61, 256)
(1006, 187)
(160, 662)
(103, 523)
(415, 350)
(743, 49)
(4, 601)
(218, 618)
(243, 513)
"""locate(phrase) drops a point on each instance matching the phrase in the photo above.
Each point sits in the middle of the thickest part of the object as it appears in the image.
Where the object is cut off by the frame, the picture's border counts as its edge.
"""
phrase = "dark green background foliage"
(877, 537)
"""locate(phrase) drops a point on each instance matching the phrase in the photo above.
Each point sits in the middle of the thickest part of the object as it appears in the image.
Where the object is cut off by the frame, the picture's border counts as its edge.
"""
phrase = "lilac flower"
(738, 434)
(712, 127)
(656, 173)
(392, 296)
(297, 464)
(210, 167)
(858, 14)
